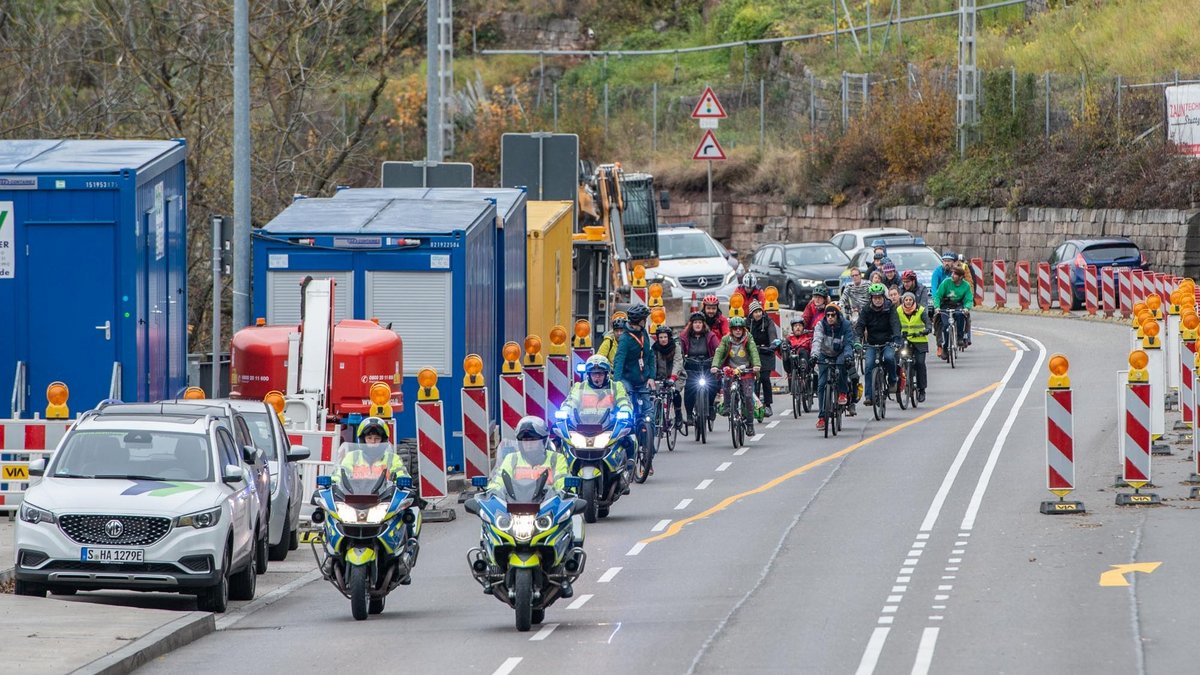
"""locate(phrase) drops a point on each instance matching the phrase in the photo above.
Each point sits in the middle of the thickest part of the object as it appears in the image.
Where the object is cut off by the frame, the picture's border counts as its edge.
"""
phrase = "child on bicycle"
(833, 343)
(668, 358)
(799, 346)
(737, 350)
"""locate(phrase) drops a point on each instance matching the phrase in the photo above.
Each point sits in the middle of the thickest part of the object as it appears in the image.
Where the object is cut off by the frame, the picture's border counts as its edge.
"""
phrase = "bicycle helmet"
(749, 280)
(821, 291)
(711, 299)
(889, 267)
(619, 323)
(371, 425)
(876, 289)
(909, 275)
(737, 322)
(664, 329)
(798, 319)
(833, 307)
(697, 316)
(949, 255)
(638, 314)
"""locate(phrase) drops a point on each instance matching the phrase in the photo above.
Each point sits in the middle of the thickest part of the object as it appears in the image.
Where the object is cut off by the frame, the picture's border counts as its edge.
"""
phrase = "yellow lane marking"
(1116, 576)
(678, 525)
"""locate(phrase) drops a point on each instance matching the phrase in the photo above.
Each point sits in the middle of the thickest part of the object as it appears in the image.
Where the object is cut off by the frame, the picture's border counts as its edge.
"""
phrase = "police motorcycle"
(531, 549)
(592, 440)
(369, 525)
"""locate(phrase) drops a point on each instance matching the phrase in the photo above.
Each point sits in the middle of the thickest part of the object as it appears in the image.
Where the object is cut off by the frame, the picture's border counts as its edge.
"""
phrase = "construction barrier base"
(1119, 482)
(1195, 494)
(1160, 449)
(1057, 507)
(1138, 499)
(438, 515)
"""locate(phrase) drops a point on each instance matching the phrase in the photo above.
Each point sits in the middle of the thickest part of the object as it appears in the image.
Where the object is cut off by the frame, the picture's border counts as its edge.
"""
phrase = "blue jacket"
(939, 274)
(625, 363)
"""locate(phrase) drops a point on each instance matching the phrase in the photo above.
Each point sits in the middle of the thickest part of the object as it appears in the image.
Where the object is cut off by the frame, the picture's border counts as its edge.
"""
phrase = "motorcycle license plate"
(112, 555)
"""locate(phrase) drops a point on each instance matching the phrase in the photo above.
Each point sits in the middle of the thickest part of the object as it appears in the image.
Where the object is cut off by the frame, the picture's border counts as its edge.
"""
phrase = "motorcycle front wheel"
(588, 493)
(523, 585)
(359, 587)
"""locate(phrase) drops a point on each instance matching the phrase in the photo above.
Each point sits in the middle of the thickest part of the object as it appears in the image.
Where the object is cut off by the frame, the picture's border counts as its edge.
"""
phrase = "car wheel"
(279, 551)
(261, 553)
(294, 540)
(793, 299)
(242, 584)
(29, 589)
(215, 598)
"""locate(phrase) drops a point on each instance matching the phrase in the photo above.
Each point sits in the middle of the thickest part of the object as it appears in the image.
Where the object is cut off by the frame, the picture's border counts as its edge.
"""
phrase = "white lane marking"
(911, 561)
(614, 633)
(704, 484)
(724, 465)
(870, 657)
(954, 560)
(757, 437)
(951, 569)
(886, 619)
(637, 548)
(915, 552)
(903, 580)
(919, 544)
(890, 609)
(772, 425)
(960, 543)
(958, 551)
(899, 589)
(938, 607)
(609, 574)
(906, 570)
(544, 632)
(985, 477)
(964, 534)
(925, 649)
(946, 587)
(949, 577)
(741, 451)
(508, 666)
(661, 525)
(941, 597)
(785, 413)
(923, 535)
(580, 601)
(683, 504)
(895, 598)
(936, 617)
(939, 499)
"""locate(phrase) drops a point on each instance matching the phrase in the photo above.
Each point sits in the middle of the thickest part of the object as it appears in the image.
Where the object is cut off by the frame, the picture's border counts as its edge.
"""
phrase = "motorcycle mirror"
(472, 506)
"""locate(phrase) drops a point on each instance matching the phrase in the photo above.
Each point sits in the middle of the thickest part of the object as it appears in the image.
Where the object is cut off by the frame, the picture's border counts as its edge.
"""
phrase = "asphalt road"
(910, 545)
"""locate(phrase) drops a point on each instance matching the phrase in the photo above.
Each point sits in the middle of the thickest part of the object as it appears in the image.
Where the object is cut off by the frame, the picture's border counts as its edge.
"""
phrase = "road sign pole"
(710, 206)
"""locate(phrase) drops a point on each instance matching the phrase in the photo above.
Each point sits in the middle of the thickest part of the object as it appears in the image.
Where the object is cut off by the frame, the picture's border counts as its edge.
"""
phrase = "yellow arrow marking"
(1116, 576)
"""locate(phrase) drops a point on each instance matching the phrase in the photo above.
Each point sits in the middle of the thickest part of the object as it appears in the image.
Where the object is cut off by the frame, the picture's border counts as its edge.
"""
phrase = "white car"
(853, 241)
(143, 504)
(691, 260)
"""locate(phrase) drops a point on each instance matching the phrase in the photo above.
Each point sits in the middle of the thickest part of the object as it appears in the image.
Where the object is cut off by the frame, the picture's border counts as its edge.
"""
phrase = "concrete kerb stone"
(162, 640)
(1052, 314)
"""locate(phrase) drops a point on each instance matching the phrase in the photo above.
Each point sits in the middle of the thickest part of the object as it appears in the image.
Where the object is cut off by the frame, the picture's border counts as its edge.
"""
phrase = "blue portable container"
(510, 246)
(426, 267)
(93, 268)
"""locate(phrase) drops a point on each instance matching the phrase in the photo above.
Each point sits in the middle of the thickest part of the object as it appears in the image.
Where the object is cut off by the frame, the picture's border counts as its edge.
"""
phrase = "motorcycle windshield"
(521, 478)
(363, 469)
(593, 421)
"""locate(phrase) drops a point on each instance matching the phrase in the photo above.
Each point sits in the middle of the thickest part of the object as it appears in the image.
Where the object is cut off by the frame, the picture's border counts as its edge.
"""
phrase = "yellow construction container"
(548, 267)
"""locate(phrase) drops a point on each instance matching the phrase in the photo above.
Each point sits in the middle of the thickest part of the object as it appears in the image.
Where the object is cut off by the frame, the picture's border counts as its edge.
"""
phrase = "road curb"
(162, 640)
(1052, 314)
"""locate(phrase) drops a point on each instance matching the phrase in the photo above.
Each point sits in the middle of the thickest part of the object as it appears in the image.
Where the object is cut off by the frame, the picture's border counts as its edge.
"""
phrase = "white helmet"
(749, 281)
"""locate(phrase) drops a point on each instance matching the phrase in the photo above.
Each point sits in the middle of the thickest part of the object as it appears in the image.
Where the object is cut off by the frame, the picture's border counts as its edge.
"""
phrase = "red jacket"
(748, 297)
(718, 325)
(810, 316)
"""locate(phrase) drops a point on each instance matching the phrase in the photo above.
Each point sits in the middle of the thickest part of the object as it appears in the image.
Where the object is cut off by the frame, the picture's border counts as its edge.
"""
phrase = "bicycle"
(734, 404)
(949, 332)
(665, 419)
(879, 385)
(643, 464)
(800, 383)
(699, 371)
(833, 410)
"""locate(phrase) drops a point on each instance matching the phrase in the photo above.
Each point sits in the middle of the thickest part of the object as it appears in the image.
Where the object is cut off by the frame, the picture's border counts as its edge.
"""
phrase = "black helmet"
(697, 316)
(797, 319)
(638, 314)
(619, 323)
(664, 329)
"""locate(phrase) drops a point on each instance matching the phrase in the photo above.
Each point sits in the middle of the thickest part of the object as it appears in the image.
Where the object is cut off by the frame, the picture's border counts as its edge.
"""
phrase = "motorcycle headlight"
(577, 439)
(544, 523)
(34, 515)
(602, 438)
(199, 520)
(377, 513)
(503, 522)
(346, 513)
(523, 527)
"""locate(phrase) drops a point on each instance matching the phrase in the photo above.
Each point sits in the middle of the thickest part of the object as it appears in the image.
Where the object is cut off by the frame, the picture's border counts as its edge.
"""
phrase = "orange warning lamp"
(771, 294)
(639, 272)
(511, 351)
(558, 336)
(1059, 365)
(1138, 307)
(1150, 328)
(582, 328)
(533, 345)
(274, 398)
(260, 322)
(1138, 359)
(473, 365)
(1191, 321)
(57, 394)
(656, 290)
(380, 394)
(736, 302)
(193, 394)
(427, 379)
(1153, 303)
(658, 315)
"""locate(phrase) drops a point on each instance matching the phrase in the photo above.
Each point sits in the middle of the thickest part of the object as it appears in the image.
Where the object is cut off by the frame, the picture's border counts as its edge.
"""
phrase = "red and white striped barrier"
(1043, 286)
(977, 280)
(1091, 299)
(1135, 450)
(1139, 287)
(558, 382)
(999, 283)
(640, 295)
(431, 450)
(512, 403)
(535, 390)
(476, 458)
(1161, 285)
(1066, 294)
(579, 356)
(32, 434)
(1125, 286)
(1108, 292)
(1060, 452)
(1023, 299)
(319, 443)
(695, 304)
(1187, 398)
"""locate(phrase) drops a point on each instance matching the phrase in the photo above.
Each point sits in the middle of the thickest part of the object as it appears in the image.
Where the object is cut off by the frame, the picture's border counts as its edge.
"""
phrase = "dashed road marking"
(544, 632)
(772, 425)
(580, 601)
(637, 548)
(508, 666)
(724, 465)
(661, 525)
(609, 574)
(704, 484)
(741, 451)
(683, 504)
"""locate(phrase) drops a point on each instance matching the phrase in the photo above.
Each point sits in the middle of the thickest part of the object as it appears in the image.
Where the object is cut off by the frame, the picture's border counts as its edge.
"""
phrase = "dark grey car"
(797, 269)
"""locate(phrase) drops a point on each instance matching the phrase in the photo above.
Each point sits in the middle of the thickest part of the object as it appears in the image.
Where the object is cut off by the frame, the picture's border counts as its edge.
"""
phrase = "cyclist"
(909, 284)
(833, 342)
(608, 344)
(878, 258)
(634, 366)
(854, 293)
(943, 272)
(749, 290)
(815, 308)
(716, 321)
(799, 346)
(893, 295)
(737, 350)
(955, 293)
(890, 278)
(698, 345)
(880, 330)
(916, 326)
(668, 364)
(766, 336)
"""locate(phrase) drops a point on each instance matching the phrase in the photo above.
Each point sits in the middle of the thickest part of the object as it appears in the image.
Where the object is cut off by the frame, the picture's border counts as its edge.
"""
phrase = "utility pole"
(241, 165)
(968, 75)
(439, 79)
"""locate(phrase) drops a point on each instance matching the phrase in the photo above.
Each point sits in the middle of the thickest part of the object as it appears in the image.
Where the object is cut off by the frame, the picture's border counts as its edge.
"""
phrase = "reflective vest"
(912, 324)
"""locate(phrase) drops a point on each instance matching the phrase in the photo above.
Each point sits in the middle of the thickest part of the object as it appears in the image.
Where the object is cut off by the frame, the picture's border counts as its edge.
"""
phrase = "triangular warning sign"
(708, 106)
(709, 148)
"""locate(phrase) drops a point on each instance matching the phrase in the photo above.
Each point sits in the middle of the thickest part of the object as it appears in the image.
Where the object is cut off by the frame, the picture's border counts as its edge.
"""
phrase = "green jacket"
(584, 396)
(958, 295)
(555, 463)
(748, 352)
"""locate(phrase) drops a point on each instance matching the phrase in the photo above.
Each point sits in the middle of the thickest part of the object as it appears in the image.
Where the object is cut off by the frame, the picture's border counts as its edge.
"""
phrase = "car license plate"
(112, 555)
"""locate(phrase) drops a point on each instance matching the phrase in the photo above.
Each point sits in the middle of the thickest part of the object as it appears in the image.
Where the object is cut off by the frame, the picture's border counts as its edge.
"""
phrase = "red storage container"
(364, 353)
(258, 361)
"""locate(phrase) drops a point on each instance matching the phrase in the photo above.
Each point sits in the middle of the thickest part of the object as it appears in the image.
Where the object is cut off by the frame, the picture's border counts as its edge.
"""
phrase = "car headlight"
(810, 283)
(523, 526)
(35, 515)
(200, 519)
(730, 278)
(274, 483)
(544, 523)
(665, 281)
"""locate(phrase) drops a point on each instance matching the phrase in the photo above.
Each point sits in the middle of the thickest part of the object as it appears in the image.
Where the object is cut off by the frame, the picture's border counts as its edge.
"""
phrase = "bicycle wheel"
(672, 428)
(902, 387)
(911, 382)
(830, 401)
(951, 345)
(701, 416)
(794, 387)
(810, 391)
(879, 391)
(837, 416)
(734, 406)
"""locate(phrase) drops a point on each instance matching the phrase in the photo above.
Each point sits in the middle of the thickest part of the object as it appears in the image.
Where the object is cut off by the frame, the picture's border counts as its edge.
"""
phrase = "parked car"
(253, 458)
(691, 260)
(916, 257)
(797, 269)
(1107, 252)
(141, 503)
(853, 241)
(286, 493)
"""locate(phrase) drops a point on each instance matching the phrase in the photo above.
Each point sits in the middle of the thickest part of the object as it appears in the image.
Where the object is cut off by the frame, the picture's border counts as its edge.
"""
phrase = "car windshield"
(917, 259)
(260, 431)
(136, 455)
(1110, 252)
(815, 255)
(687, 245)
